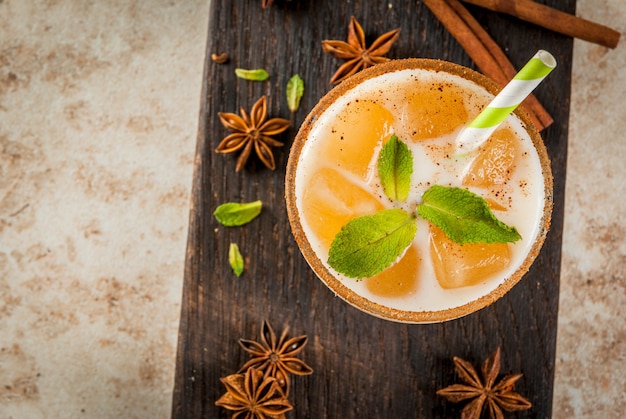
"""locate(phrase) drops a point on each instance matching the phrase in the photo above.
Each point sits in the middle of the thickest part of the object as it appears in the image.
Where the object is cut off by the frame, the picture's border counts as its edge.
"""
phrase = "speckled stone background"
(99, 107)
(591, 339)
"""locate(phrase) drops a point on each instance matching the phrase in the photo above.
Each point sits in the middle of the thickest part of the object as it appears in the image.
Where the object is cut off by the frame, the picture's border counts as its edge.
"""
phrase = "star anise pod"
(356, 53)
(254, 396)
(277, 358)
(487, 394)
(250, 131)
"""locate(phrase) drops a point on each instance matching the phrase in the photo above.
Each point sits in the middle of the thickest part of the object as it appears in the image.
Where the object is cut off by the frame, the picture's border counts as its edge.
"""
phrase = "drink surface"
(337, 180)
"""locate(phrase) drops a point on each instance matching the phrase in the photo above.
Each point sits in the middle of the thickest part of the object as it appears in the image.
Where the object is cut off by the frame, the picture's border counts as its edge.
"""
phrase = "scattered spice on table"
(254, 395)
(252, 131)
(219, 58)
(277, 358)
(355, 52)
(486, 394)
(554, 20)
(260, 388)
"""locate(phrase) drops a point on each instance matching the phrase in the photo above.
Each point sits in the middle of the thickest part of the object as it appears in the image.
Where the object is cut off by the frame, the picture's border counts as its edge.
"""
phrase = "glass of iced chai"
(332, 178)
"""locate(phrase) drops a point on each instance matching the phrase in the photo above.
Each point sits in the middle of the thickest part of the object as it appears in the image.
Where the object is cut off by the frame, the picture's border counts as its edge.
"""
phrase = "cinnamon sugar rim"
(335, 284)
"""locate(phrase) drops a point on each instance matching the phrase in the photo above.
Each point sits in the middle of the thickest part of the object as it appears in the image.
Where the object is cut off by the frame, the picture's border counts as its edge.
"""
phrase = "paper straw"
(524, 82)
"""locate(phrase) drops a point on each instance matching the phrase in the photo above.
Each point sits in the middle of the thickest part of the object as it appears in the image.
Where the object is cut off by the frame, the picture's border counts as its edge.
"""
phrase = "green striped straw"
(524, 82)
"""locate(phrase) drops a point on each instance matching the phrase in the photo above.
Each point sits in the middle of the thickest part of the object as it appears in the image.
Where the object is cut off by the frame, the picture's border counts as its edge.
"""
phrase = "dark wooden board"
(364, 366)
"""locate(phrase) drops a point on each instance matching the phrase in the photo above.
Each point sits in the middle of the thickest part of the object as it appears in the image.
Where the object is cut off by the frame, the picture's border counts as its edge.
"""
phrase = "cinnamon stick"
(484, 51)
(553, 19)
(540, 116)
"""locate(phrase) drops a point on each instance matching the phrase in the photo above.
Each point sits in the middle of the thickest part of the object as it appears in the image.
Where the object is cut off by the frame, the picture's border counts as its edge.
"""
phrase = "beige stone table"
(99, 107)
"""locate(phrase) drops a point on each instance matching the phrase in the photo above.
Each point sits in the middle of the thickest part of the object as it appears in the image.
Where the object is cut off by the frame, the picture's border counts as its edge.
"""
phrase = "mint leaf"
(233, 214)
(464, 216)
(295, 90)
(235, 259)
(255, 75)
(367, 245)
(395, 166)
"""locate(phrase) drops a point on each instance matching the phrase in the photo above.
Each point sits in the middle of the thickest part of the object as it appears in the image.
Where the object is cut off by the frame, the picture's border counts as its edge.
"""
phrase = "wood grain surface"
(364, 367)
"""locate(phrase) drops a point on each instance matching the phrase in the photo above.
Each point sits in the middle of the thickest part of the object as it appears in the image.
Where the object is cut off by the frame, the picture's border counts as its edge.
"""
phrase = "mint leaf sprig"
(369, 244)
(395, 167)
(464, 216)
